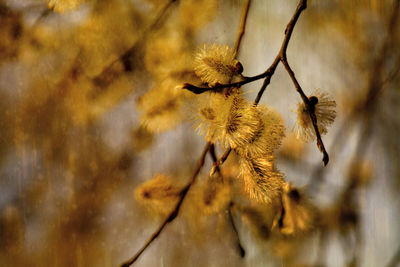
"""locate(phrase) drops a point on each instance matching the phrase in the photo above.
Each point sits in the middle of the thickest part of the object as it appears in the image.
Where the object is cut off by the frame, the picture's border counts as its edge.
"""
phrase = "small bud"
(313, 100)
(239, 68)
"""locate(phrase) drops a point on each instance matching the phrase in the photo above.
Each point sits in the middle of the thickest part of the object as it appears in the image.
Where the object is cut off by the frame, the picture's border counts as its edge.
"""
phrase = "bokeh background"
(89, 110)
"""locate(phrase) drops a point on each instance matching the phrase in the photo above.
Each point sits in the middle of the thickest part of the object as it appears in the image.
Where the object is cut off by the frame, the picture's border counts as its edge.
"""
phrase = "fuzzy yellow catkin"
(324, 111)
(264, 135)
(215, 64)
(235, 123)
(210, 112)
(158, 193)
(261, 180)
(161, 106)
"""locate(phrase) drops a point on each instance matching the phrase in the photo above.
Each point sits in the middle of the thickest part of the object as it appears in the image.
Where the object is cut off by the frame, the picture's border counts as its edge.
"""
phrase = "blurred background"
(90, 109)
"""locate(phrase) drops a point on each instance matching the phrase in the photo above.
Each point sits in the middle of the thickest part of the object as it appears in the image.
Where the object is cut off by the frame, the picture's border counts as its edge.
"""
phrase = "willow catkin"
(216, 64)
(324, 112)
(161, 106)
(261, 180)
(158, 193)
(236, 123)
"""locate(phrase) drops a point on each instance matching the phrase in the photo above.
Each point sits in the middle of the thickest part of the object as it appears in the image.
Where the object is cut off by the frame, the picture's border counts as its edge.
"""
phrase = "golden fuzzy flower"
(264, 135)
(235, 123)
(158, 193)
(324, 111)
(262, 182)
(210, 111)
(216, 64)
(161, 106)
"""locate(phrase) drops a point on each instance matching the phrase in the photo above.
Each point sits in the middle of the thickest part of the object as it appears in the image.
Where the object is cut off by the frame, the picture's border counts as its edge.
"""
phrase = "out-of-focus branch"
(216, 168)
(232, 222)
(242, 26)
(129, 52)
(376, 83)
(174, 213)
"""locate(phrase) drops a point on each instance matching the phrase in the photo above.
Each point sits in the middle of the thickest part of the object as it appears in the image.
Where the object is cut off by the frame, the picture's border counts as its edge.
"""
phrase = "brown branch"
(215, 160)
(282, 52)
(242, 26)
(128, 53)
(283, 58)
(220, 161)
(175, 211)
(232, 222)
(310, 109)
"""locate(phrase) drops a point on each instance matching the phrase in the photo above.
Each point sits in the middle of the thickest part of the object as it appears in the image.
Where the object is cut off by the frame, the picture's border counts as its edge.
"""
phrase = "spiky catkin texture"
(161, 106)
(210, 111)
(234, 122)
(261, 180)
(158, 193)
(215, 64)
(324, 111)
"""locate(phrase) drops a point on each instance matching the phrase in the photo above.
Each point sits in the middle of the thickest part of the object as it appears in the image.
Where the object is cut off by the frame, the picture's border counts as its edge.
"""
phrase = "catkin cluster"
(253, 132)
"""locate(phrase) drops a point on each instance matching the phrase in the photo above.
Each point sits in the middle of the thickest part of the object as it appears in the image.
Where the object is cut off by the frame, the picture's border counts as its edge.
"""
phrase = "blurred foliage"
(93, 111)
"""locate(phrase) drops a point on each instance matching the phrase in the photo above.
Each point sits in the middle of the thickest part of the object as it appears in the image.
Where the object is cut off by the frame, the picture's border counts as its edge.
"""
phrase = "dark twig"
(175, 211)
(311, 111)
(232, 222)
(282, 52)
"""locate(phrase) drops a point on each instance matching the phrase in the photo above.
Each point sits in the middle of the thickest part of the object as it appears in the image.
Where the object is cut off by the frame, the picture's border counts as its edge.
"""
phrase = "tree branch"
(128, 53)
(220, 161)
(232, 222)
(173, 214)
(242, 26)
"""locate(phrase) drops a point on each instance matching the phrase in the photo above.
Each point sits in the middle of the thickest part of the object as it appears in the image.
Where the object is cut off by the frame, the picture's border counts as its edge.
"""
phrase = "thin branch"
(128, 53)
(220, 161)
(242, 252)
(311, 112)
(282, 52)
(215, 160)
(242, 26)
(175, 211)
(232, 222)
